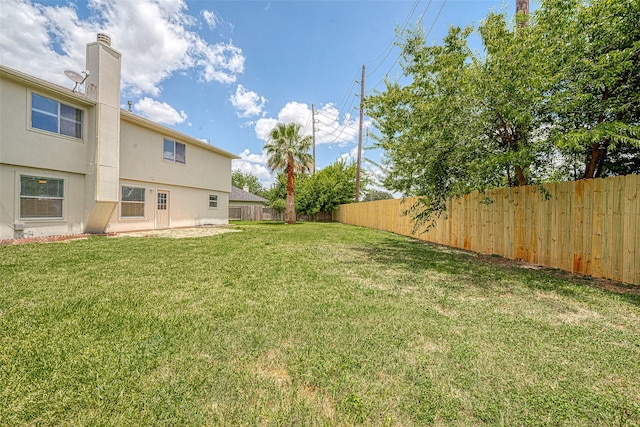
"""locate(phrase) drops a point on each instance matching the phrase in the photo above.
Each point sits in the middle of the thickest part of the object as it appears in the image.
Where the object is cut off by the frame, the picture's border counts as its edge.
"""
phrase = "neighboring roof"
(239, 195)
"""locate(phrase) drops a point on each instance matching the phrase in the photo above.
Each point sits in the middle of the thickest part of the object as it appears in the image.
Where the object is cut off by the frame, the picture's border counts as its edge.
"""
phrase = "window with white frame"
(213, 201)
(53, 116)
(41, 197)
(132, 202)
(174, 151)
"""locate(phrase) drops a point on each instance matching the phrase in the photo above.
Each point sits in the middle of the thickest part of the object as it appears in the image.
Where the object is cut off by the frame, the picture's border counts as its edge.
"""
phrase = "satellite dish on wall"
(76, 77)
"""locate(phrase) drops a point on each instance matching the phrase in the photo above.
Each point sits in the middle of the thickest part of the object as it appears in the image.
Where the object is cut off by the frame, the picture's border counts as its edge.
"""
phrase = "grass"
(311, 324)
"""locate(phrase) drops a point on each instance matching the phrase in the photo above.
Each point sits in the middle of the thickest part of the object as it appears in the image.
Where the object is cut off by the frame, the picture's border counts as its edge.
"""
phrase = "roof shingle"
(239, 195)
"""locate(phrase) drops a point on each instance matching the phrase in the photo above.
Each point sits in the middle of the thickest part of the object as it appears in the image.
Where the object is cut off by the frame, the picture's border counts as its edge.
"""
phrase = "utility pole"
(313, 132)
(522, 8)
(358, 164)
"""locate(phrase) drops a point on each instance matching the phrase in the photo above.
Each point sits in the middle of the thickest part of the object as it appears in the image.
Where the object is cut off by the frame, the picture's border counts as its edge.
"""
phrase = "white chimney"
(103, 87)
(104, 39)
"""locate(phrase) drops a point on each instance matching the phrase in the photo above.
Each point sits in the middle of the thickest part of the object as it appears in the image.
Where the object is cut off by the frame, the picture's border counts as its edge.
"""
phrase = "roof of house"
(79, 97)
(239, 195)
(26, 79)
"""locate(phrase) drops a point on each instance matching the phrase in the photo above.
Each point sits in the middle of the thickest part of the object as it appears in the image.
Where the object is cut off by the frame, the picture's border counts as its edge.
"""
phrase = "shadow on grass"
(486, 271)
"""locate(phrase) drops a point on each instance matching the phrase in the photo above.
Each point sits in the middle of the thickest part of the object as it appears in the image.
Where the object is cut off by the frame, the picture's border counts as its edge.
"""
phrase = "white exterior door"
(162, 209)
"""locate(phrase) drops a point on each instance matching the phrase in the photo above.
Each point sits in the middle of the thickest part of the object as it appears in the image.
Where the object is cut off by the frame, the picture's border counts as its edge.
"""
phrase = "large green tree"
(241, 179)
(287, 150)
(321, 192)
(560, 94)
(421, 126)
(463, 123)
(592, 52)
(373, 194)
(328, 188)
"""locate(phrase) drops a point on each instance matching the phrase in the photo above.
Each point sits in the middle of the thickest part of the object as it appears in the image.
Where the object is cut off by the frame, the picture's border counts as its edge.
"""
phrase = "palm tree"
(289, 151)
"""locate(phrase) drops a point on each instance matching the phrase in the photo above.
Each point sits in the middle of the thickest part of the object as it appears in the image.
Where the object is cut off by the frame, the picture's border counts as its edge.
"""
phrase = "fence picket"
(590, 226)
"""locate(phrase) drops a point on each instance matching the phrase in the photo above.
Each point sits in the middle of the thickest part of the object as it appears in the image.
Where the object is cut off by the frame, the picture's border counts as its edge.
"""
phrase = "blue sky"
(228, 71)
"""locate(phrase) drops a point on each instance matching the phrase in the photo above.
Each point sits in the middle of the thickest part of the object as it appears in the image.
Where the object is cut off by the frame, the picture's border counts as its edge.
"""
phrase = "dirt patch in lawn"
(172, 233)
(180, 233)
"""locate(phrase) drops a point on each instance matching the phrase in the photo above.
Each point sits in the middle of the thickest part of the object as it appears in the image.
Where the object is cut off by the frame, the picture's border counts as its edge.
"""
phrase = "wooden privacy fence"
(590, 226)
(254, 213)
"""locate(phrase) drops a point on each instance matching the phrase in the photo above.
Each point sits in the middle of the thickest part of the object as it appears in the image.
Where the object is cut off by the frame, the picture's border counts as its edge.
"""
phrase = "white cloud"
(296, 112)
(211, 18)
(331, 127)
(351, 155)
(293, 112)
(264, 126)
(247, 102)
(214, 20)
(221, 62)
(154, 37)
(160, 112)
(248, 156)
(255, 164)
(28, 37)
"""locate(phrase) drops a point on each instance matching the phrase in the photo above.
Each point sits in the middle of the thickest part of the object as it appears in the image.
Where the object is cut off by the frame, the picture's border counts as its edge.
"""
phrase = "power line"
(340, 107)
(389, 48)
(313, 132)
(345, 127)
(380, 60)
(425, 37)
(347, 95)
(359, 162)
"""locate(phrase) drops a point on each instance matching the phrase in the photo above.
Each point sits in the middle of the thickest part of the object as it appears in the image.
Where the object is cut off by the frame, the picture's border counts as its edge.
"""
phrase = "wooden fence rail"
(590, 226)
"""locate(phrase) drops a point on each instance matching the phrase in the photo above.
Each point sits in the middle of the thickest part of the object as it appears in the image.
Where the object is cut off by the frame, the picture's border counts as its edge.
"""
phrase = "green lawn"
(310, 324)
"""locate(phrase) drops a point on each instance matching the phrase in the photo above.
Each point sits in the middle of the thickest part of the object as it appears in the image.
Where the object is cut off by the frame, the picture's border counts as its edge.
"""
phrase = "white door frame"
(163, 217)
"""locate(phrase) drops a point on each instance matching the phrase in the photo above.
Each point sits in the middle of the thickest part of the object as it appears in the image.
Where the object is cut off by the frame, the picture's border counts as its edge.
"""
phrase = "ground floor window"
(132, 202)
(213, 201)
(41, 197)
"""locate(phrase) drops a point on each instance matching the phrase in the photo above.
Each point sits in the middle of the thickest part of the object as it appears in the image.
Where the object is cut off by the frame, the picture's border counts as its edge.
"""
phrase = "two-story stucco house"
(74, 163)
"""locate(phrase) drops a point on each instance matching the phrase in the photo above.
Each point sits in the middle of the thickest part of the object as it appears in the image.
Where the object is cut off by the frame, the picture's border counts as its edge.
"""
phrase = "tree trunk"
(290, 216)
(598, 152)
(510, 140)
(595, 159)
(522, 179)
(592, 160)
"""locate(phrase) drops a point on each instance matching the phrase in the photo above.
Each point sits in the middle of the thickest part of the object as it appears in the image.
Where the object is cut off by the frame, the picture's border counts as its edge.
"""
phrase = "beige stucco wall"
(189, 185)
(22, 145)
(34, 152)
(188, 207)
(73, 207)
(140, 163)
(141, 159)
(103, 86)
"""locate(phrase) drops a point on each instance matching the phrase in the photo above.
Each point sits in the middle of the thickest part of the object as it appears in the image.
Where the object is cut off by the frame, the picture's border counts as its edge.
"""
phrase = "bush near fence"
(590, 226)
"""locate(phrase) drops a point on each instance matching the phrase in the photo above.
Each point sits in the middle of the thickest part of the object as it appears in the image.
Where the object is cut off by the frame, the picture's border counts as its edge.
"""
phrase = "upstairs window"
(132, 202)
(174, 151)
(53, 116)
(41, 197)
